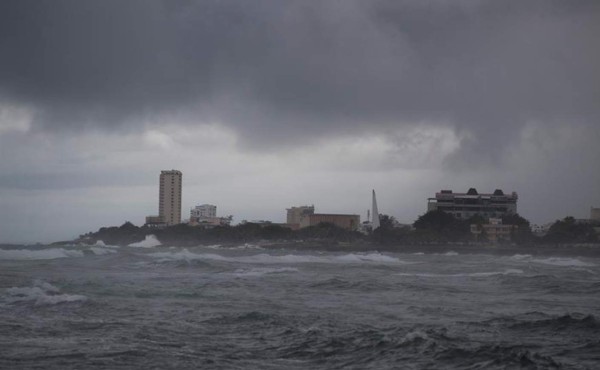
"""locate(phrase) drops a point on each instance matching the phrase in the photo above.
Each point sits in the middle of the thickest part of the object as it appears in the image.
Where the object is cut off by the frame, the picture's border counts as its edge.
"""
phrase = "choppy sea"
(161, 307)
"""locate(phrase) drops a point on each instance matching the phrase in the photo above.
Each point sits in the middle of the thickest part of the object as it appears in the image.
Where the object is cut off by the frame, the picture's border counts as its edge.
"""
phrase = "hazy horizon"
(265, 105)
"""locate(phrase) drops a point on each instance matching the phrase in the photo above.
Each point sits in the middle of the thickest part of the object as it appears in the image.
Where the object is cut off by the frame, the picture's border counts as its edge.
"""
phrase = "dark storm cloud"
(287, 71)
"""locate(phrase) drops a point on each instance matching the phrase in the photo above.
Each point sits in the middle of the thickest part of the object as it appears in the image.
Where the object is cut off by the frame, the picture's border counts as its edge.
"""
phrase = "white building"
(169, 198)
(203, 211)
(465, 205)
(205, 215)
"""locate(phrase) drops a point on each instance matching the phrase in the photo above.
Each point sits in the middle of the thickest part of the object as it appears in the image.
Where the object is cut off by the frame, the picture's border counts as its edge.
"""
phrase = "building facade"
(205, 215)
(466, 205)
(203, 211)
(595, 214)
(296, 214)
(348, 222)
(155, 222)
(494, 231)
(169, 198)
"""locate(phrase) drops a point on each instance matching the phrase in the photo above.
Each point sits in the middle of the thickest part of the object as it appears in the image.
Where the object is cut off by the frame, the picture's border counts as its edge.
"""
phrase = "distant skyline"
(264, 105)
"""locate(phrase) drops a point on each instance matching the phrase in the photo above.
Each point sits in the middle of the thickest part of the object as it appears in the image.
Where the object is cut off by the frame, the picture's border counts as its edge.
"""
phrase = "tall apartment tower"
(169, 198)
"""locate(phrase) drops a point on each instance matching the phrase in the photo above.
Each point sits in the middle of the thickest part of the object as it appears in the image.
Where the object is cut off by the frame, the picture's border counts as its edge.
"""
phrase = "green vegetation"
(184, 234)
(431, 228)
(569, 230)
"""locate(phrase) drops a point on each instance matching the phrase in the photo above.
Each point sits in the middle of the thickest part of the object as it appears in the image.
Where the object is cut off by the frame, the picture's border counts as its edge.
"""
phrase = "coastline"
(328, 245)
(584, 250)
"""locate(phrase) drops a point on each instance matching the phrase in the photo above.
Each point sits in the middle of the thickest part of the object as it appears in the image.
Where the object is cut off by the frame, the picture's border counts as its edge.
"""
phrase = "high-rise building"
(169, 198)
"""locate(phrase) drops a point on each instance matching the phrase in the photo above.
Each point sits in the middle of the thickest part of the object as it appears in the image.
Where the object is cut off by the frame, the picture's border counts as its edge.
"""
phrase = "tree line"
(433, 227)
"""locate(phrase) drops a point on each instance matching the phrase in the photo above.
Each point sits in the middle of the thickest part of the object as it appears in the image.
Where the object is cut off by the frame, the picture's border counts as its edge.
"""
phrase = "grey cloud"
(283, 72)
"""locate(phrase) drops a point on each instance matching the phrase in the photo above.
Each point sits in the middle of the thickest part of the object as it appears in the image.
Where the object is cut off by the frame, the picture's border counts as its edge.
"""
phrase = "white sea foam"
(287, 258)
(472, 274)
(521, 256)
(371, 257)
(101, 251)
(41, 293)
(451, 253)
(260, 271)
(558, 261)
(100, 243)
(554, 261)
(415, 335)
(247, 246)
(150, 242)
(213, 246)
(186, 255)
(39, 254)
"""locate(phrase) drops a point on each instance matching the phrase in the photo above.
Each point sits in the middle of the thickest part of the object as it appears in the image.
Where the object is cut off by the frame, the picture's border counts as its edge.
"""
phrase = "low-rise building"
(206, 215)
(203, 211)
(465, 205)
(494, 231)
(348, 222)
(155, 222)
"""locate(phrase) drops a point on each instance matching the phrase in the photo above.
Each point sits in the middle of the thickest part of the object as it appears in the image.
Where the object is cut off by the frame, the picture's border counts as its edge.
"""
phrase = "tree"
(570, 231)
(522, 234)
(387, 233)
(441, 226)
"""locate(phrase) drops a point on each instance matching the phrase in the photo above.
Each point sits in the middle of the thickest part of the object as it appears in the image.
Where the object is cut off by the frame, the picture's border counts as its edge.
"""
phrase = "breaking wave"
(287, 258)
(39, 254)
(41, 293)
(150, 242)
(100, 243)
(472, 274)
(561, 323)
(99, 251)
(554, 261)
(260, 271)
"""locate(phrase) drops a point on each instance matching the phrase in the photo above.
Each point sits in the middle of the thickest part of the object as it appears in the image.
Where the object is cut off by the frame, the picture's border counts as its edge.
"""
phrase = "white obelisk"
(375, 213)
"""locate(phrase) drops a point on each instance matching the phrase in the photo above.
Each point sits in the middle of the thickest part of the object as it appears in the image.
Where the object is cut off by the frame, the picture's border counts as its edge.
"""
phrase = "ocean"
(160, 307)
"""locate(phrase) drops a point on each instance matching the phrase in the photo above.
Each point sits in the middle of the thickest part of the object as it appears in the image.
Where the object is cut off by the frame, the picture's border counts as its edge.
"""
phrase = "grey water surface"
(248, 308)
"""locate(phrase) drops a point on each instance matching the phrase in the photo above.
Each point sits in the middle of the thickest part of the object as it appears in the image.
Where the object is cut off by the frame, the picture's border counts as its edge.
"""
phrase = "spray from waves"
(150, 242)
(41, 293)
(473, 274)
(260, 271)
(186, 255)
(38, 254)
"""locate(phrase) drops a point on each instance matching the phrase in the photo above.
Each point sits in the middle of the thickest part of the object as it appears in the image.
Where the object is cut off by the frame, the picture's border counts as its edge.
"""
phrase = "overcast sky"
(265, 105)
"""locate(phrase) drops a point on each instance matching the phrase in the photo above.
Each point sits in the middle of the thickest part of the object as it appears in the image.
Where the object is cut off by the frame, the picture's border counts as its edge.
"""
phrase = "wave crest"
(38, 254)
(41, 293)
(264, 258)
